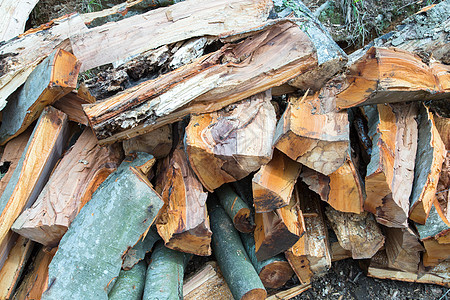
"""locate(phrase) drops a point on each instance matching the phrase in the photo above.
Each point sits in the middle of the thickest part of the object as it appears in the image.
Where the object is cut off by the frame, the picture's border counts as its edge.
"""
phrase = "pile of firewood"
(237, 129)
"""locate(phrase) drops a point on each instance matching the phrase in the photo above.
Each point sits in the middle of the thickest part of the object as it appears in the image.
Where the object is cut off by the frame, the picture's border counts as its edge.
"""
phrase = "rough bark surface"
(129, 284)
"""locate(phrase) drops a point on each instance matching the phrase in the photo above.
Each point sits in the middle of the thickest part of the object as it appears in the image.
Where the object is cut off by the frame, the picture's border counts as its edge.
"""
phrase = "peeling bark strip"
(315, 139)
(65, 193)
(90, 253)
(390, 173)
(229, 144)
(429, 159)
(166, 25)
(183, 223)
(43, 150)
(20, 56)
(387, 75)
(233, 73)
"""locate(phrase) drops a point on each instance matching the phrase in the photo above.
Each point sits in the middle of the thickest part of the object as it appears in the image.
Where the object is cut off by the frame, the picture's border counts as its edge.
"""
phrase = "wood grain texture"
(90, 253)
(183, 222)
(317, 140)
(358, 233)
(157, 142)
(71, 105)
(274, 183)
(428, 164)
(43, 150)
(79, 173)
(390, 173)
(14, 15)
(167, 25)
(403, 249)
(21, 55)
(233, 73)
(229, 144)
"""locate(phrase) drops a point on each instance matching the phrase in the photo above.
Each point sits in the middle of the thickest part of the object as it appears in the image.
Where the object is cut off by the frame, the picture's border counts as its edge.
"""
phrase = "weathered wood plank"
(90, 253)
(233, 73)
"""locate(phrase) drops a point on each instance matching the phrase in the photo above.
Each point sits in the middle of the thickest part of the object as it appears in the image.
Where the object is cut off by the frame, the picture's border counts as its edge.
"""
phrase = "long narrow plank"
(233, 73)
(90, 253)
(79, 173)
(43, 150)
(53, 78)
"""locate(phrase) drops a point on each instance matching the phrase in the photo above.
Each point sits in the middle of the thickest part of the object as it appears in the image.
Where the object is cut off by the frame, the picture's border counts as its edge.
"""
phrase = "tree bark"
(90, 254)
(134, 255)
(227, 145)
(130, 284)
(282, 50)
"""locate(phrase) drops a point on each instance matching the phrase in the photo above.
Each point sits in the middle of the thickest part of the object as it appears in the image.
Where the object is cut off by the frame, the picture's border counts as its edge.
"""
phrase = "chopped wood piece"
(20, 56)
(358, 233)
(403, 249)
(273, 184)
(273, 272)
(14, 266)
(54, 77)
(130, 284)
(310, 256)
(71, 105)
(229, 144)
(35, 281)
(429, 159)
(278, 230)
(443, 127)
(166, 25)
(315, 139)
(207, 283)
(290, 293)
(282, 50)
(232, 258)
(387, 75)
(157, 142)
(138, 252)
(236, 208)
(379, 269)
(43, 150)
(164, 279)
(90, 253)
(331, 58)
(435, 252)
(435, 226)
(183, 222)
(65, 194)
(339, 253)
(390, 173)
(14, 15)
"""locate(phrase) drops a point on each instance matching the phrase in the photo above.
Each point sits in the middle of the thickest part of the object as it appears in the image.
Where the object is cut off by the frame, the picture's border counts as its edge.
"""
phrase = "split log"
(390, 173)
(14, 15)
(290, 293)
(53, 78)
(310, 256)
(383, 75)
(441, 269)
(403, 249)
(236, 208)
(358, 233)
(43, 150)
(236, 266)
(429, 159)
(274, 183)
(11, 157)
(241, 69)
(435, 252)
(90, 253)
(339, 253)
(164, 26)
(379, 268)
(435, 227)
(35, 281)
(65, 194)
(164, 279)
(316, 139)
(278, 230)
(134, 255)
(71, 105)
(183, 222)
(331, 58)
(157, 142)
(130, 284)
(229, 144)
(443, 127)
(20, 56)
(273, 272)
(207, 283)
(14, 266)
